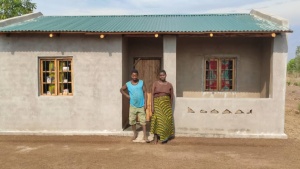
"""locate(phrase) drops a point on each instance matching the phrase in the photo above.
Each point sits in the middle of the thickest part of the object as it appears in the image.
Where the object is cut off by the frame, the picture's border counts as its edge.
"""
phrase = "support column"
(278, 66)
(169, 59)
(278, 76)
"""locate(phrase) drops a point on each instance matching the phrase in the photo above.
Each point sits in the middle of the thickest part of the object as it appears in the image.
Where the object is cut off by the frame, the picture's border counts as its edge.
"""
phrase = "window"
(220, 74)
(56, 76)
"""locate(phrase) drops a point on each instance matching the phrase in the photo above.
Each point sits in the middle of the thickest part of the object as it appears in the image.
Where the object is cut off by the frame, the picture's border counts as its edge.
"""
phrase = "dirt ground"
(105, 152)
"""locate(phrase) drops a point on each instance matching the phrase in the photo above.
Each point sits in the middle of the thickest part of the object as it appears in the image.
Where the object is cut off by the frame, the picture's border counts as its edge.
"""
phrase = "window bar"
(232, 75)
(221, 75)
(210, 77)
(45, 76)
(55, 76)
(42, 77)
(207, 79)
(68, 77)
(66, 85)
(62, 74)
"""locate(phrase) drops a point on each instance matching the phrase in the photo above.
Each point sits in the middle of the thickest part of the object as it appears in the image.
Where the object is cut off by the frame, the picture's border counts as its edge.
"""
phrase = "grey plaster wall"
(266, 67)
(261, 117)
(249, 54)
(125, 78)
(96, 103)
(144, 47)
(169, 60)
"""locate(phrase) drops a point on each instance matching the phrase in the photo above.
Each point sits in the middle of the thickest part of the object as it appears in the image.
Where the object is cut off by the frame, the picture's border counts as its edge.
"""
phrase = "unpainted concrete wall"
(96, 103)
(245, 117)
(266, 67)
(125, 78)
(250, 63)
(144, 47)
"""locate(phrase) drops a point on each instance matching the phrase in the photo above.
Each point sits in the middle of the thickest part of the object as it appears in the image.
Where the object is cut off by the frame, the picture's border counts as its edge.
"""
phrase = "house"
(62, 74)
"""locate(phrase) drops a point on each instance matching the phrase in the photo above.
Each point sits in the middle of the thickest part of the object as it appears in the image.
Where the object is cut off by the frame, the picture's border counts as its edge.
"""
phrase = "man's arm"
(122, 90)
(145, 96)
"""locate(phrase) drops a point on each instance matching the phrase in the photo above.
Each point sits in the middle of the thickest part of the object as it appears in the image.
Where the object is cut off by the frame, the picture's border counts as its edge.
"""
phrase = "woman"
(162, 120)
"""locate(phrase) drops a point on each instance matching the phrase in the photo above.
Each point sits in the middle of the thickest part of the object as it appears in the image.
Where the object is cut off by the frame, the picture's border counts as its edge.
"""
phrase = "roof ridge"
(151, 15)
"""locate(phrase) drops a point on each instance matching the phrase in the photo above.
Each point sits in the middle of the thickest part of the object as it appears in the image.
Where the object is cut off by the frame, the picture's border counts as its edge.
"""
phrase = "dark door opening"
(148, 69)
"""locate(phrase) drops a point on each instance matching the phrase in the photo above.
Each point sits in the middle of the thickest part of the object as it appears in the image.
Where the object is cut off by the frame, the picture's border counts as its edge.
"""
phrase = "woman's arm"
(152, 97)
(145, 96)
(171, 95)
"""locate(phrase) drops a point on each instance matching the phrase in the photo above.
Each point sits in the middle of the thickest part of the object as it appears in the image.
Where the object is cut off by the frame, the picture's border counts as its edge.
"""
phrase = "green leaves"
(12, 8)
(294, 64)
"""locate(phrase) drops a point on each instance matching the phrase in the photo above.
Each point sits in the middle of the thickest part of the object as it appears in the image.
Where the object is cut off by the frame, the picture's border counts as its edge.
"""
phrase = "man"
(138, 102)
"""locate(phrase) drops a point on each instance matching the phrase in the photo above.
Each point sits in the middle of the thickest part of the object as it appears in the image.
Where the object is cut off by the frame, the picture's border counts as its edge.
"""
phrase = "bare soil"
(101, 152)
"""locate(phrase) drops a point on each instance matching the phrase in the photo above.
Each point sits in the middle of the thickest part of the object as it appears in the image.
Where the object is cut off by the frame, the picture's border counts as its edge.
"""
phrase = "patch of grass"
(288, 83)
(295, 84)
(293, 74)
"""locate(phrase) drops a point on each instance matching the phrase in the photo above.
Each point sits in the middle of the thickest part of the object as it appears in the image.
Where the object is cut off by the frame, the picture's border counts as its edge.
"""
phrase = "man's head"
(134, 75)
(162, 75)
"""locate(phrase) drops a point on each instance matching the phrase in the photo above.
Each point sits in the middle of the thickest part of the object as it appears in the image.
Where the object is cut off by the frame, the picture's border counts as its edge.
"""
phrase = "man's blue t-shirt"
(136, 94)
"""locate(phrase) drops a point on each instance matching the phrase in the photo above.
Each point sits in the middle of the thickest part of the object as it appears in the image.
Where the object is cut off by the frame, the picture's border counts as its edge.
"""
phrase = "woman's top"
(162, 89)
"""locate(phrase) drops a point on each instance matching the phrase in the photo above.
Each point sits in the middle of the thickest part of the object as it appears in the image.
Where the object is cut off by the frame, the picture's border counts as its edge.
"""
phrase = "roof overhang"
(259, 24)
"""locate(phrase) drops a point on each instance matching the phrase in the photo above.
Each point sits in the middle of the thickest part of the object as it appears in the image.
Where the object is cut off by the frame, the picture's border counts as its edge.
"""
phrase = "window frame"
(219, 73)
(56, 71)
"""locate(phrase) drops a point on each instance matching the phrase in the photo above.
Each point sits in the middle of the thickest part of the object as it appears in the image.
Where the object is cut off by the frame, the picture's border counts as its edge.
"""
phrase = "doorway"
(148, 69)
(144, 54)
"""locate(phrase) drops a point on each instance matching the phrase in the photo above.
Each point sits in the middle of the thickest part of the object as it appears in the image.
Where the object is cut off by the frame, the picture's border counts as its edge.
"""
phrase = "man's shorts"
(133, 111)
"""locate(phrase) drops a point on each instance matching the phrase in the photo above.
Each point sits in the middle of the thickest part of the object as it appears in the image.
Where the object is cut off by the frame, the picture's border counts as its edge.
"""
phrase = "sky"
(288, 9)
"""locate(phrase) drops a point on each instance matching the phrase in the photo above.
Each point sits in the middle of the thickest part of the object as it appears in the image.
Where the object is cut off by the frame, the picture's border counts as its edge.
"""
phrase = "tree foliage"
(291, 67)
(294, 64)
(12, 8)
(298, 51)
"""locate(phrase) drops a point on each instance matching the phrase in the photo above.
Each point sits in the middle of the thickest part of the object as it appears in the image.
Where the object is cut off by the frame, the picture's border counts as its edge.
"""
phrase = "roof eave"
(149, 32)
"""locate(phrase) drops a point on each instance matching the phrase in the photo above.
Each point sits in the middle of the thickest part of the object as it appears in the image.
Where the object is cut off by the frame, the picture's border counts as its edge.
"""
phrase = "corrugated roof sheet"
(148, 24)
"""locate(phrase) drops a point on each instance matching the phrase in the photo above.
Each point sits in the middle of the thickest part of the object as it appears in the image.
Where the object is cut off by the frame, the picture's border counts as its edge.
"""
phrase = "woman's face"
(162, 76)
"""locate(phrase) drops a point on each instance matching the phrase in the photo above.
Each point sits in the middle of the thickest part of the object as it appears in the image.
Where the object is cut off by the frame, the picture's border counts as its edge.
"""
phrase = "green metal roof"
(148, 24)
